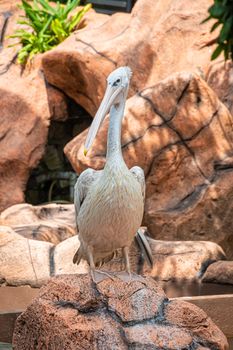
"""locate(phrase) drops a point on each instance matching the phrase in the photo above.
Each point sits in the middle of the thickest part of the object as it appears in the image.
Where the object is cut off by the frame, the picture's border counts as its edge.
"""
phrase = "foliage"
(222, 11)
(49, 26)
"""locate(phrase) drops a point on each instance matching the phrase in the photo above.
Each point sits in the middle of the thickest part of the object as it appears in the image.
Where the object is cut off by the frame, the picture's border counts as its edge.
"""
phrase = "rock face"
(219, 76)
(72, 312)
(181, 135)
(24, 114)
(219, 272)
(163, 37)
(52, 222)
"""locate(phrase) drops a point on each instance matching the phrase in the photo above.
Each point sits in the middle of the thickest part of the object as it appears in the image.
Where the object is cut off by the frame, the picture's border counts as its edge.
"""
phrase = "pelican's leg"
(126, 258)
(92, 267)
(91, 263)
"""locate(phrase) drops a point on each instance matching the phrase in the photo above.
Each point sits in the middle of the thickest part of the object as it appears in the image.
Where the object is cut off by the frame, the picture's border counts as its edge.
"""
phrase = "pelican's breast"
(112, 212)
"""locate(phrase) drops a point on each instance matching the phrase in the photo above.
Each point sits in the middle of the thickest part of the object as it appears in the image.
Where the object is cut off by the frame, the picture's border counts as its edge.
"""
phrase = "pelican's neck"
(114, 152)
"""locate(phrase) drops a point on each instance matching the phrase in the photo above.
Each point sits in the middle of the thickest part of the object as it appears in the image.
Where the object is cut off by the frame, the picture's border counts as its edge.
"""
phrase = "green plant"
(49, 26)
(222, 11)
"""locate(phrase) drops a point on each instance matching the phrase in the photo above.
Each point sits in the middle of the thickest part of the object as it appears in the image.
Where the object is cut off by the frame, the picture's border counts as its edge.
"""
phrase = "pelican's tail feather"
(78, 256)
(144, 247)
(106, 259)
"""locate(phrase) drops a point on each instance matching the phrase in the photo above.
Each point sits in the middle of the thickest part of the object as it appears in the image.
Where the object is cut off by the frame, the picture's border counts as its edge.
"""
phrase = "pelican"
(109, 203)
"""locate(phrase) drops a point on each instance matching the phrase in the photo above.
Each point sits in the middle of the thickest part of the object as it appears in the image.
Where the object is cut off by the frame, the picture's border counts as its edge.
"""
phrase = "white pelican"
(109, 203)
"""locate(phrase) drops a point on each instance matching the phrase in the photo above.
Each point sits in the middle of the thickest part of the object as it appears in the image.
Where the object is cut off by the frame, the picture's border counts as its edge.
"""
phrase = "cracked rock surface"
(71, 312)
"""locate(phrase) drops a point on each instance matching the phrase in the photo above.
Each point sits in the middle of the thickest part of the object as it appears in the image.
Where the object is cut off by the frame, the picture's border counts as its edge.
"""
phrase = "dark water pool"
(190, 289)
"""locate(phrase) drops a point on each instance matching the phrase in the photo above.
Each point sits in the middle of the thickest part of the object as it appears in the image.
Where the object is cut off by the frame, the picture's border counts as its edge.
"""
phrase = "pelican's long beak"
(108, 100)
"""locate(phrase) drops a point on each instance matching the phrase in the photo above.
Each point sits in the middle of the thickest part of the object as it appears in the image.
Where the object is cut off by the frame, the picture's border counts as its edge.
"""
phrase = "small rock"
(219, 272)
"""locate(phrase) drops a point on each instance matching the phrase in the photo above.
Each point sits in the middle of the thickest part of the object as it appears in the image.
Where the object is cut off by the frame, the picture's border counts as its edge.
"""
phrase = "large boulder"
(180, 133)
(71, 312)
(155, 40)
(24, 114)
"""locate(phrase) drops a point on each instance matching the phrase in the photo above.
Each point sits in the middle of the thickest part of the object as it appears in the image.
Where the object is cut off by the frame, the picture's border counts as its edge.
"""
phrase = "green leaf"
(216, 52)
(70, 7)
(217, 10)
(206, 19)
(77, 18)
(49, 9)
(226, 30)
(48, 26)
(214, 26)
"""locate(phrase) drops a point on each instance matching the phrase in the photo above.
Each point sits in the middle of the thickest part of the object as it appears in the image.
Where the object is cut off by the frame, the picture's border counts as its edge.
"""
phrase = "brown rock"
(71, 312)
(219, 272)
(168, 40)
(219, 77)
(57, 104)
(52, 222)
(24, 114)
(23, 261)
(189, 316)
(181, 135)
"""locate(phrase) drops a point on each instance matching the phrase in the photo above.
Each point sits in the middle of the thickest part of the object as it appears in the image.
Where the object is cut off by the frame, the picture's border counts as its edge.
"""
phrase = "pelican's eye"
(117, 82)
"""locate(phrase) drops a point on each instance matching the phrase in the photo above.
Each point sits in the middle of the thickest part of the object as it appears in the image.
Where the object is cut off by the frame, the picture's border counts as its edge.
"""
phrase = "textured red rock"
(71, 312)
(24, 115)
(219, 77)
(57, 104)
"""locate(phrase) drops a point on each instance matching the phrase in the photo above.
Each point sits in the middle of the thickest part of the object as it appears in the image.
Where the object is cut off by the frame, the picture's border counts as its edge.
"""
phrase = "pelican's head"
(116, 93)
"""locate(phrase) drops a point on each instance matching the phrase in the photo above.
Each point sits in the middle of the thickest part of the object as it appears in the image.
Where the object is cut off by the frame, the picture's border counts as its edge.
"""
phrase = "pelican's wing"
(140, 177)
(140, 236)
(82, 186)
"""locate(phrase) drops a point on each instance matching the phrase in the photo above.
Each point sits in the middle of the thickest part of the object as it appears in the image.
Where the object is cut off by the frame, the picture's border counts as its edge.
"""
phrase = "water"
(5, 346)
(191, 289)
